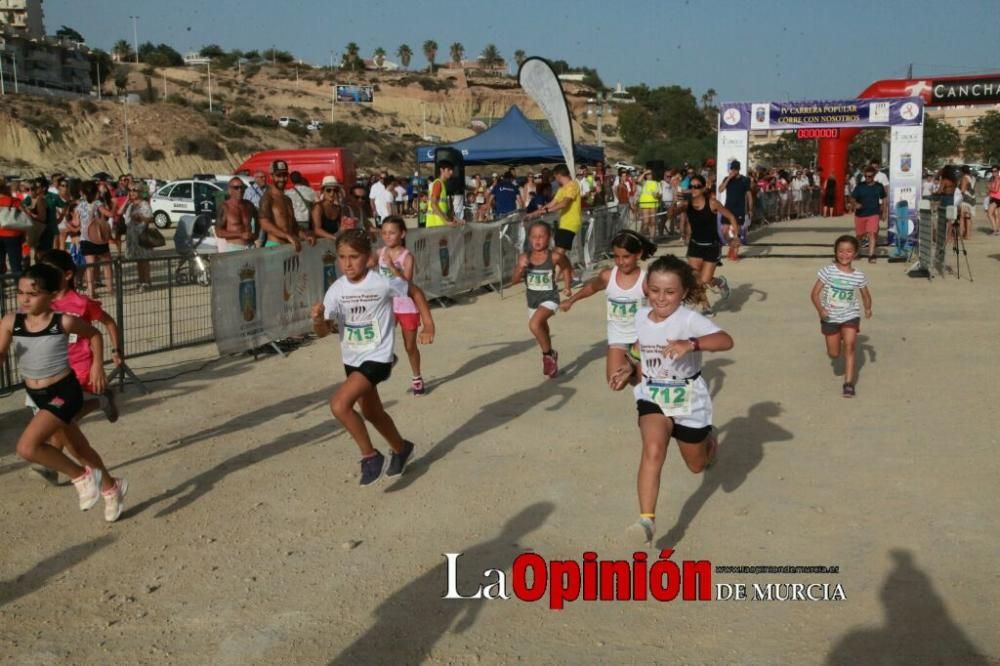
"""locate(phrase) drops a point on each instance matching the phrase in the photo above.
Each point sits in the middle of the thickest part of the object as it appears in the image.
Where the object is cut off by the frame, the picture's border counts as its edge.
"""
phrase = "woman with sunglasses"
(702, 237)
(138, 215)
(327, 213)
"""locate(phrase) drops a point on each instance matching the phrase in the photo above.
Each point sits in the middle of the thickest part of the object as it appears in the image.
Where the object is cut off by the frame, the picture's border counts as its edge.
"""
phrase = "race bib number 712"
(673, 397)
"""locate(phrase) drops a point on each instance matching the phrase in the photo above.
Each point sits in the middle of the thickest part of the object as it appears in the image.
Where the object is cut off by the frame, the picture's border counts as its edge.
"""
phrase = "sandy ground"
(248, 541)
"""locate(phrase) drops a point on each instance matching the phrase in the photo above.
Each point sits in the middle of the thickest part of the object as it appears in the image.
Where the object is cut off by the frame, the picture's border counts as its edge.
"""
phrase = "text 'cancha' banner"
(263, 295)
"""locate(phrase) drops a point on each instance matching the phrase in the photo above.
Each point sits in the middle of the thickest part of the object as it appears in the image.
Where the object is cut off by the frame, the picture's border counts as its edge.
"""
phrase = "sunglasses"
(237, 187)
(133, 191)
(697, 187)
(330, 189)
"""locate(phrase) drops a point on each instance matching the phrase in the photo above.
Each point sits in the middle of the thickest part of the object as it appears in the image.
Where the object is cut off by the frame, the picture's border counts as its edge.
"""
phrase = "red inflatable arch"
(935, 91)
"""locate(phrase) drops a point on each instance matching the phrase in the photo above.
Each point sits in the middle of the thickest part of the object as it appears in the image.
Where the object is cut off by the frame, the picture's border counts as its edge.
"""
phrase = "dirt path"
(248, 541)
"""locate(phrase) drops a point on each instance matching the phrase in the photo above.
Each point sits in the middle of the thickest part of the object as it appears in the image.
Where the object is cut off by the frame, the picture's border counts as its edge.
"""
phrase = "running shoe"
(372, 468)
(848, 390)
(417, 386)
(550, 364)
(108, 406)
(397, 461)
(88, 487)
(640, 534)
(724, 289)
(47, 474)
(114, 500)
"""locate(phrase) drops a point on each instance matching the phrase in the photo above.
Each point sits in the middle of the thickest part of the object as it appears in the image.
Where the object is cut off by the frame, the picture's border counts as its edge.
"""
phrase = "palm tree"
(519, 56)
(350, 58)
(430, 52)
(708, 98)
(379, 57)
(490, 57)
(404, 53)
(457, 51)
(122, 50)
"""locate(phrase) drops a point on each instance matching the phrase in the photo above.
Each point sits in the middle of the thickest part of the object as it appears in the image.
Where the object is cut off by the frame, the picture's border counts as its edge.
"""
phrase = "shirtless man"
(277, 216)
(234, 227)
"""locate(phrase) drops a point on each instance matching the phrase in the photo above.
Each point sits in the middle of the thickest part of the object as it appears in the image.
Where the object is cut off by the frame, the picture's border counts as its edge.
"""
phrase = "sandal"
(848, 390)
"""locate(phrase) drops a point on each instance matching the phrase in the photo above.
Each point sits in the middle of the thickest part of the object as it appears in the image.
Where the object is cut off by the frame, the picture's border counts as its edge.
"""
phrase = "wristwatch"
(694, 344)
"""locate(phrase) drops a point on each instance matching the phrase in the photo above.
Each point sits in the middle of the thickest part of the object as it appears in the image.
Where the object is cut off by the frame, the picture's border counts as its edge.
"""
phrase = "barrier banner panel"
(263, 295)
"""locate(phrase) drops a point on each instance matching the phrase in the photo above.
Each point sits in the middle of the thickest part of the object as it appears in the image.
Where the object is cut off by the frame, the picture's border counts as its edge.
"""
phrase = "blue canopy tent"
(513, 140)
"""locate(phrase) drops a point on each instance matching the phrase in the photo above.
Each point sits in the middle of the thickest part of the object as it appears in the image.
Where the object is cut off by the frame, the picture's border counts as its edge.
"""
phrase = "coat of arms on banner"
(329, 269)
(248, 292)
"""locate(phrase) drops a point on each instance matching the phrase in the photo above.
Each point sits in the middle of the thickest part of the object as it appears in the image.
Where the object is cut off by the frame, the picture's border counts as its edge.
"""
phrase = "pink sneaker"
(114, 500)
(88, 487)
(550, 364)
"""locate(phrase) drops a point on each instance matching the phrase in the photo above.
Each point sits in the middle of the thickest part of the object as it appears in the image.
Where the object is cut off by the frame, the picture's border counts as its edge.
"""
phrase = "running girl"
(671, 396)
(359, 306)
(835, 298)
(702, 237)
(39, 336)
(395, 261)
(626, 292)
(538, 267)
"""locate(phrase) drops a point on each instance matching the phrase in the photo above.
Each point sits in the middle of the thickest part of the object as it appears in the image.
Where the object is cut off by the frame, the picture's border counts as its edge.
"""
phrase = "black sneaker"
(397, 461)
(371, 468)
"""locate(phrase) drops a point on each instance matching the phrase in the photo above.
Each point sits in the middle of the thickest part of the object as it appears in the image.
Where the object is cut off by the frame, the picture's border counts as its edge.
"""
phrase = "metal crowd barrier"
(176, 312)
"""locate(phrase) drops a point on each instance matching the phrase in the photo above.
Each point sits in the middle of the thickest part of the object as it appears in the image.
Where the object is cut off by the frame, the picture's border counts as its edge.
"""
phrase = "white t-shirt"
(882, 178)
(657, 367)
(400, 194)
(302, 197)
(666, 192)
(839, 296)
(376, 188)
(383, 203)
(584, 186)
(363, 313)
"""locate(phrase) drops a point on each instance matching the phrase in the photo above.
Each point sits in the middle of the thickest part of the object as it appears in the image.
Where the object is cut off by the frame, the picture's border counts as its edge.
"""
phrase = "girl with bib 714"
(625, 285)
(671, 396)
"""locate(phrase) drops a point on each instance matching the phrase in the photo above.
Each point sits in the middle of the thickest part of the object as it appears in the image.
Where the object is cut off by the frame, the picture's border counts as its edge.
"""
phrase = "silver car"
(178, 198)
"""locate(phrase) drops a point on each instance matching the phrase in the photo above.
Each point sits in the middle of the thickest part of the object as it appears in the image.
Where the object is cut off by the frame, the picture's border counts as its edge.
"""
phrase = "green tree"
(675, 152)
(787, 150)
(279, 56)
(490, 57)
(69, 33)
(252, 56)
(121, 79)
(867, 145)
(983, 140)
(122, 50)
(211, 51)
(405, 54)
(350, 59)
(379, 57)
(100, 61)
(941, 141)
(430, 52)
(662, 114)
(159, 55)
(520, 56)
(457, 51)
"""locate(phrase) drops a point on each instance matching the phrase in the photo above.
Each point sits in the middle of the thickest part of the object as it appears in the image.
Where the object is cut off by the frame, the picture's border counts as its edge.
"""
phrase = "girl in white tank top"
(624, 286)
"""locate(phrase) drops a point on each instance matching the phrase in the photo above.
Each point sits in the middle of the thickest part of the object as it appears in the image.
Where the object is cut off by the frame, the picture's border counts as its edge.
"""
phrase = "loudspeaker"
(657, 167)
(455, 184)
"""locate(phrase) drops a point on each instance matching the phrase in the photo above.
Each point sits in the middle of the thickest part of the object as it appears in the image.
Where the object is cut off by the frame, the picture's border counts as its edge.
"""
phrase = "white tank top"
(623, 304)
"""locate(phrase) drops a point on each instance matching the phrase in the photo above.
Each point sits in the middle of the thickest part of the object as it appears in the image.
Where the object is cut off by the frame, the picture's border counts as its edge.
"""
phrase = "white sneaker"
(88, 487)
(114, 500)
(640, 534)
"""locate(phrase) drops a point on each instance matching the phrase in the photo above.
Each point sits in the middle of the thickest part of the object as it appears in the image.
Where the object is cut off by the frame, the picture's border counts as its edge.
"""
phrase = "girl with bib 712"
(625, 285)
(671, 396)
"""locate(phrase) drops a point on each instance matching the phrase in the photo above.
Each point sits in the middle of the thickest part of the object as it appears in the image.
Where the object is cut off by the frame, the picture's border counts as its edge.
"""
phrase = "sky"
(746, 51)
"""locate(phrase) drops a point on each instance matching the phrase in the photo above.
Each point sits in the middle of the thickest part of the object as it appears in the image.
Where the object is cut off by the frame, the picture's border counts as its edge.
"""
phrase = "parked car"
(314, 126)
(287, 121)
(178, 198)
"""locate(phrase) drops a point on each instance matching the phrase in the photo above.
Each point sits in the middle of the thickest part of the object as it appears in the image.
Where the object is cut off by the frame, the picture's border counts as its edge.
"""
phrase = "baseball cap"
(279, 166)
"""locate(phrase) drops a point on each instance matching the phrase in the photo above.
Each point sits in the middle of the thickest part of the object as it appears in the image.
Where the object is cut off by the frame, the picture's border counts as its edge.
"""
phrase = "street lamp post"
(13, 61)
(128, 149)
(135, 37)
(210, 86)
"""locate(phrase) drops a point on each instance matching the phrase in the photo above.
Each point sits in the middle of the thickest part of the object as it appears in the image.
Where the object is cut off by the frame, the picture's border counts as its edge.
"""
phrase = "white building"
(25, 16)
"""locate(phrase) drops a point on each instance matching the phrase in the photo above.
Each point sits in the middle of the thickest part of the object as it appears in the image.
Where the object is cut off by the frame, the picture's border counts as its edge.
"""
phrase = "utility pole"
(135, 37)
(98, 79)
(3, 89)
(210, 86)
(331, 60)
(13, 60)
(909, 71)
(164, 84)
(128, 149)
(333, 100)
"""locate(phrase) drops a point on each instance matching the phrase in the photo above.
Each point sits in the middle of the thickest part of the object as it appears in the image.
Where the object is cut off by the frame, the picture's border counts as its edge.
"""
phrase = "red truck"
(312, 163)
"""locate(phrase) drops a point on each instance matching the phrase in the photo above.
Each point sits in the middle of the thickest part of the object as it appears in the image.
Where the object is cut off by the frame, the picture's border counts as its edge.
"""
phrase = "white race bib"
(362, 337)
(540, 280)
(622, 310)
(673, 397)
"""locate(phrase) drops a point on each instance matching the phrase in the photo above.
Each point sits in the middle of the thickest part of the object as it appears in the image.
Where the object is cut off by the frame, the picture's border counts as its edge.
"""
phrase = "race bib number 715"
(362, 337)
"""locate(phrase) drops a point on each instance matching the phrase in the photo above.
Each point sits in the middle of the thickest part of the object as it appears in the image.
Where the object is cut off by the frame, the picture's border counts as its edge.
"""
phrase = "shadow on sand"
(36, 577)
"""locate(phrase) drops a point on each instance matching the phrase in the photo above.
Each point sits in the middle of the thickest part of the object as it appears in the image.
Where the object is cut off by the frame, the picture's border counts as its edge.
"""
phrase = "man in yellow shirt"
(567, 202)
